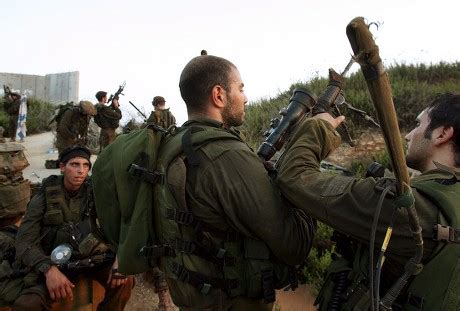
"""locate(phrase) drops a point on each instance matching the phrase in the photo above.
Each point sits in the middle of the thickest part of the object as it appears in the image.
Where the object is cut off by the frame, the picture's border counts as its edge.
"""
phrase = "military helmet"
(158, 100)
(88, 108)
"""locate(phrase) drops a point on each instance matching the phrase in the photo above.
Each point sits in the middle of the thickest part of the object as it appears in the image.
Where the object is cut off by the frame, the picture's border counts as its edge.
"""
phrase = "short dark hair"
(198, 78)
(100, 95)
(445, 111)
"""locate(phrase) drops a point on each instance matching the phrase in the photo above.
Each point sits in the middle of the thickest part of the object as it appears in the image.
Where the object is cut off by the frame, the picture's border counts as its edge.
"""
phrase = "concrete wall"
(56, 88)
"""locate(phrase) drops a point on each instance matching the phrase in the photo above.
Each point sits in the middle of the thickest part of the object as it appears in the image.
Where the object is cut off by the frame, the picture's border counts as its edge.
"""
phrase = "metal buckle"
(206, 288)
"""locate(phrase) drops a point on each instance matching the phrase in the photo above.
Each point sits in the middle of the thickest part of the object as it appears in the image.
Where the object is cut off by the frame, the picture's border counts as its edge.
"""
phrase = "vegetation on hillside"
(414, 86)
(39, 114)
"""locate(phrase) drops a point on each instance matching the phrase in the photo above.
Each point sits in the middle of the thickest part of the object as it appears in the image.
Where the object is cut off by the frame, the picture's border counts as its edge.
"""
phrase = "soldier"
(14, 195)
(63, 212)
(11, 106)
(245, 238)
(161, 116)
(107, 118)
(72, 128)
(348, 205)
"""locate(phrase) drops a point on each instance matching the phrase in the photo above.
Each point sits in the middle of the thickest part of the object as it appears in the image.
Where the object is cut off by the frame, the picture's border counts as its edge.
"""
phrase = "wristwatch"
(44, 267)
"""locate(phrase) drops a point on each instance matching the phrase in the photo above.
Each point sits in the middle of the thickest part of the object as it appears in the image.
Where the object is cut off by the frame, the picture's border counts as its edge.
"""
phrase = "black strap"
(191, 154)
(216, 255)
(200, 281)
(144, 174)
(446, 233)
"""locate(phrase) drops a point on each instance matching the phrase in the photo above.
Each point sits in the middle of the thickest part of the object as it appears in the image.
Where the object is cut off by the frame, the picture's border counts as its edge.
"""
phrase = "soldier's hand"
(58, 284)
(115, 102)
(335, 122)
(116, 278)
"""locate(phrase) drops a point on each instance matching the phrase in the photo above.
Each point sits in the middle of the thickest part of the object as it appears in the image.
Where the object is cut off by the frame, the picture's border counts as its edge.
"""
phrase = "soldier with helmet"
(161, 116)
(72, 128)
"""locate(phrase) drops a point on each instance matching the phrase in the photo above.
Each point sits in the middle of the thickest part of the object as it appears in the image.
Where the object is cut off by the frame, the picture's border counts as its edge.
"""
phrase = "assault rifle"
(89, 262)
(6, 90)
(117, 93)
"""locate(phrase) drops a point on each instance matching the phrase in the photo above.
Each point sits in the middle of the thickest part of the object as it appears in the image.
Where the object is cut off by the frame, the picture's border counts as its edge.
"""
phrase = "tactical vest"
(72, 224)
(245, 266)
(163, 118)
(436, 287)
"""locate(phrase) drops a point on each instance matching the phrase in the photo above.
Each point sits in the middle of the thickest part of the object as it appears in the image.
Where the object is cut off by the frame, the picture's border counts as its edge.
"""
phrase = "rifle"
(117, 93)
(140, 112)
(366, 53)
(88, 262)
(300, 105)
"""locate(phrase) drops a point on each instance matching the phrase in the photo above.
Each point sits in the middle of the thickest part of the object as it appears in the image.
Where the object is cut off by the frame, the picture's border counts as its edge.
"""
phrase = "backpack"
(122, 176)
(60, 111)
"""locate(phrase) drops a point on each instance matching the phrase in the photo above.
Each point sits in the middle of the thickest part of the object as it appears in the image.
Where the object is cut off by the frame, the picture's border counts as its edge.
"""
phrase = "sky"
(273, 43)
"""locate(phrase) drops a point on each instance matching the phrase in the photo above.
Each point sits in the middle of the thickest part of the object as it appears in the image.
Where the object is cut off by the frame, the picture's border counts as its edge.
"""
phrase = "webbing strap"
(200, 281)
(144, 174)
(268, 286)
(217, 255)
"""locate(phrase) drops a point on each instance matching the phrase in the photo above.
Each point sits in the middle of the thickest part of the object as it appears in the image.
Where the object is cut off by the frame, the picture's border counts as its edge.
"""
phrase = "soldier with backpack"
(161, 116)
(72, 125)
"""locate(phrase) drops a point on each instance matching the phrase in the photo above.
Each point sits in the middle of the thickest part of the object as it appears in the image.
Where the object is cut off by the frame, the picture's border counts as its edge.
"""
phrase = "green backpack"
(61, 109)
(123, 181)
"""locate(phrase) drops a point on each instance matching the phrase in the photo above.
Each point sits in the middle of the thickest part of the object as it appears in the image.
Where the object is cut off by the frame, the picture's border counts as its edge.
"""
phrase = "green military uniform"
(72, 129)
(13, 279)
(348, 204)
(229, 191)
(162, 117)
(12, 109)
(50, 220)
(108, 119)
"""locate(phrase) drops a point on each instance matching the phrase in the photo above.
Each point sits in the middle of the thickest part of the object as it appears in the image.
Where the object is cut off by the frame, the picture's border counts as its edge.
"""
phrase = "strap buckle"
(443, 233)
(182, 217)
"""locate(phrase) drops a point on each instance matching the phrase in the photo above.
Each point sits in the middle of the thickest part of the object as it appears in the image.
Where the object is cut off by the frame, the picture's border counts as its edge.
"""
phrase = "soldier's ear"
(442, 135)
(218, 96)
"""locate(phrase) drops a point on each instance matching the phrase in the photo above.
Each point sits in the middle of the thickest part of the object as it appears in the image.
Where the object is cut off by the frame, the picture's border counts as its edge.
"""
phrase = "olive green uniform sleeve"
(28, 247)
(109, 112)
(345, 203)
(235, 190)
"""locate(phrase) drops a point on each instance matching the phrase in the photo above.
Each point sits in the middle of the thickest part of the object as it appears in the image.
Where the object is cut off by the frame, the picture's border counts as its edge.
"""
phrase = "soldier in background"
(14, 196)
(72, 128)
(107, 118)
(161, 116)
(11, 106)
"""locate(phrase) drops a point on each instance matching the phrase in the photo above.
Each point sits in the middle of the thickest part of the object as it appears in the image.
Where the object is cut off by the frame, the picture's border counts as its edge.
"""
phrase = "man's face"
(419, 148)
(233, 112)
(104, 99)
(75, 172)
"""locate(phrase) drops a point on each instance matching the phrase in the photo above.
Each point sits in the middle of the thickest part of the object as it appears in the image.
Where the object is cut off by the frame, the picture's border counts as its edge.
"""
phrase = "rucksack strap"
(143, 174)
(446, 233)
